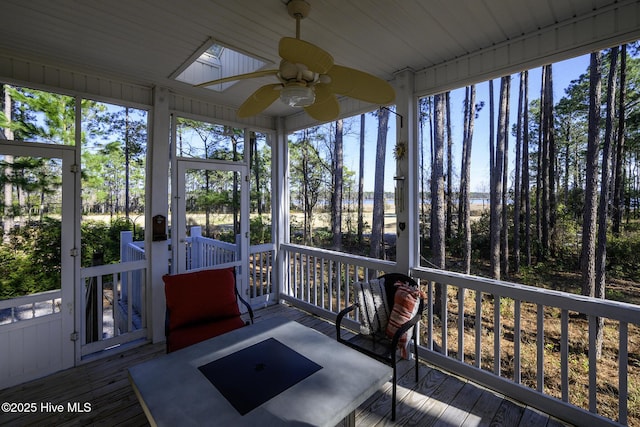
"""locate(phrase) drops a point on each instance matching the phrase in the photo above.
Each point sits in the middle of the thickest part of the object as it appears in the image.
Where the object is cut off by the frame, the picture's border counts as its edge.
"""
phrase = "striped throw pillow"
(405, 306)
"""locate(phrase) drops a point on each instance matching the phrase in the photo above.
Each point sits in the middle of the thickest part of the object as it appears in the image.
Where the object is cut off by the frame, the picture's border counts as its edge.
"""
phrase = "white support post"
(195, 249)
(280, 203)
(406, 178)
(157, 181)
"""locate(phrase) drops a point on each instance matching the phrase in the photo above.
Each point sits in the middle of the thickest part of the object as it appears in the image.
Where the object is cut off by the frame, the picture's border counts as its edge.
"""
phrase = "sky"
(563, 73)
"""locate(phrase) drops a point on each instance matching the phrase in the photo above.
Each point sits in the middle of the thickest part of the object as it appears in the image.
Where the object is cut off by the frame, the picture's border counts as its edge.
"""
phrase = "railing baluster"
(623, 372)
(444, 319)
(100, 305)
(593, 383)
(130, 328)
(294, 278)
(540, 347)
(119, 279)
(496, 335)
(303, 285)
(430, 314)
(478, 326)
(143, 297)
(564, 354)
(253, 275)
(322, 283)
(307, 277)
(461, 292)
(330, 284)
(287, 285)
(339, 285)
(517, 339)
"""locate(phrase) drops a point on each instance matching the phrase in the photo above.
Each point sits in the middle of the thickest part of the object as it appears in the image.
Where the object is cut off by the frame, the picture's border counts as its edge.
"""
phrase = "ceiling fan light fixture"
(297, 96)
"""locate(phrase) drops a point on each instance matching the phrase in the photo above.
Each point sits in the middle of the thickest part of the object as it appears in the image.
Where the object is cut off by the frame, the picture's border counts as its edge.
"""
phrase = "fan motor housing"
(298, 8)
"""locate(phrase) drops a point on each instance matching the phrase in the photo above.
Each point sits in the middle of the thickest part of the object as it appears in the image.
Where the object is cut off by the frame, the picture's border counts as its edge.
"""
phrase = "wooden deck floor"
(437, 399)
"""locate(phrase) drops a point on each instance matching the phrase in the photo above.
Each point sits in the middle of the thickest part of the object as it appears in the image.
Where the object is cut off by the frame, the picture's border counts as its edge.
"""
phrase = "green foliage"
(566, 239)
(30, 261)
(480, 237)
(623, 256)
(259, 230)
(101, 241)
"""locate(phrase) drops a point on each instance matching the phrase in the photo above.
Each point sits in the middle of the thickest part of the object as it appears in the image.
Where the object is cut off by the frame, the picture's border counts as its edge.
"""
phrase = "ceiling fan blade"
(302, 52)
(253, 75)
(360, 85)
(259, 100)
(326, 108)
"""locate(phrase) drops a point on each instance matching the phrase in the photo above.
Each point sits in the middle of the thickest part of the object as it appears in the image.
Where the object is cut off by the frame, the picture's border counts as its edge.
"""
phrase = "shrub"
(623, 256)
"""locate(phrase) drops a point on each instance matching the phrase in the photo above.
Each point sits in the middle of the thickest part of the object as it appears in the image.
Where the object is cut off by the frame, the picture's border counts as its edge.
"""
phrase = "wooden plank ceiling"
(146, 41)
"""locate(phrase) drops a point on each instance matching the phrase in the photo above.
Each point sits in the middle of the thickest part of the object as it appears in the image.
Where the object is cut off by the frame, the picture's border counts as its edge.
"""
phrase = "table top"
(173, 391)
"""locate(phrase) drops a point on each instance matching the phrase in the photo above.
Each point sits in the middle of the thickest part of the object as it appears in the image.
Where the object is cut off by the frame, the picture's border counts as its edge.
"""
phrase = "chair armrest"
(340, 316)
(246, 304)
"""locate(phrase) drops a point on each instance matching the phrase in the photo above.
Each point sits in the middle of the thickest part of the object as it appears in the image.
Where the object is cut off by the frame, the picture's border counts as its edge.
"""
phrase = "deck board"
(437, 398)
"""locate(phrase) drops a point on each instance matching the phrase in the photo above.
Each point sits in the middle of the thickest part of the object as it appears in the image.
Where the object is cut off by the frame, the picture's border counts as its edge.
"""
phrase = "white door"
(37, 285)
(210, 216)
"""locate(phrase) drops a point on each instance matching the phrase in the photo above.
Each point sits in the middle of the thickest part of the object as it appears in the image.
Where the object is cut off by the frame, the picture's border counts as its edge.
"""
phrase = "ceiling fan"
(309, 78)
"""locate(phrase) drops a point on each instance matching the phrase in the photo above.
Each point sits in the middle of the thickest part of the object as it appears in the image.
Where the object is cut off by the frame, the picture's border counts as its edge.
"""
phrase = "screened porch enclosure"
(223, 189)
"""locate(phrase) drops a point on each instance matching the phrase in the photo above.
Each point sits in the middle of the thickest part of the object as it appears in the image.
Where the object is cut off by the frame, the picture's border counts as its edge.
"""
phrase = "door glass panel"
(113, 194)
(260, 187)
(212, 217)
(44, 117)
(261, 254)
(202, 140)
(30, 217)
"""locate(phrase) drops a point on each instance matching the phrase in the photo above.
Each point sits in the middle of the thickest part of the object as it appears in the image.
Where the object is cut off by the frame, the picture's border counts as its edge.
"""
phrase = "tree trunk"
(601, 250)
(517, 208)
(336, 196)
(617, 205)
(540, 172)
(588, 255)
(526, 195)
(437, 197)
(553, 158)
(545, 219)
(361, 182)
(377, 228)
(504, 239)
(465, 176)
(449, 193)
(255, 158)
(497, 183)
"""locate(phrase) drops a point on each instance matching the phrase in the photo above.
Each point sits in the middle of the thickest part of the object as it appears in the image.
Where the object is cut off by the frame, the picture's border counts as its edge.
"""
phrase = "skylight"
(218, 62)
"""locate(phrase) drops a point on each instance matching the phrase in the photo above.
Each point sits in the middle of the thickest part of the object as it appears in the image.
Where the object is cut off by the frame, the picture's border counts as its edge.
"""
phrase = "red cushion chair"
(201, 305)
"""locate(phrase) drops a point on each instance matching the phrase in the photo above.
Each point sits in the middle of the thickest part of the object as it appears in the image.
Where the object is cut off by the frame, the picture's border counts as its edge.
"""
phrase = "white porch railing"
(482, 333)
(261, 290)
(204, 252)
(112, 305)
(30, 306)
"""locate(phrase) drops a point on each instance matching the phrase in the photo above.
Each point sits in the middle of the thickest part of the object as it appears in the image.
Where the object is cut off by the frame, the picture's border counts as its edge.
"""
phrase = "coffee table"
(274, 372)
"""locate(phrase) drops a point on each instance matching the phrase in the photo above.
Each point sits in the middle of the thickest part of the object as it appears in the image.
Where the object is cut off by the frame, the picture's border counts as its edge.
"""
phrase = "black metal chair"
(377, 344)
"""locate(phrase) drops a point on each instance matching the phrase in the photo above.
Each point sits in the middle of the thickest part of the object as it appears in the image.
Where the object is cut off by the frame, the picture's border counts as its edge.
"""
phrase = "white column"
(280, 199)
(406, 178)
(157, 184)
